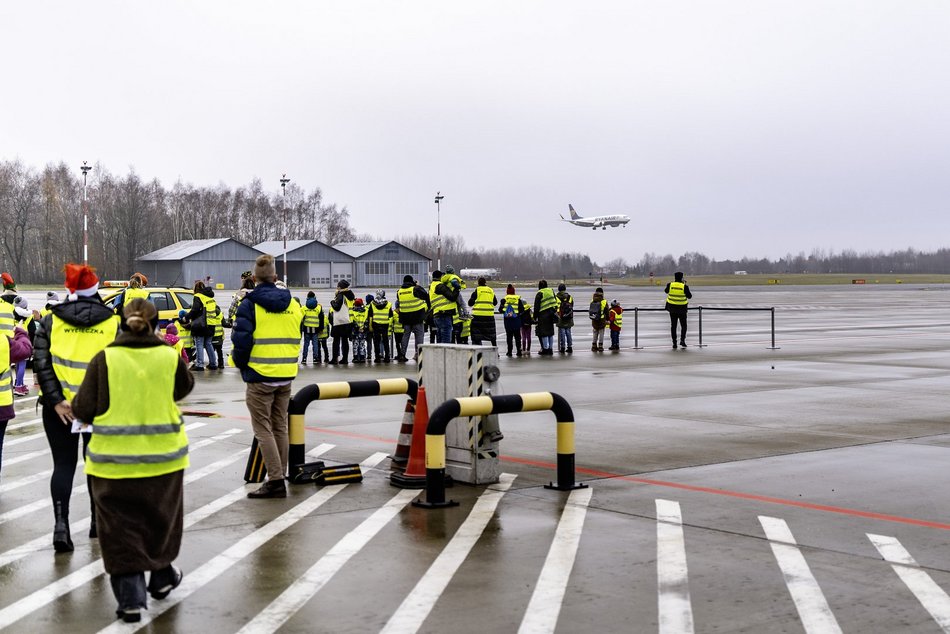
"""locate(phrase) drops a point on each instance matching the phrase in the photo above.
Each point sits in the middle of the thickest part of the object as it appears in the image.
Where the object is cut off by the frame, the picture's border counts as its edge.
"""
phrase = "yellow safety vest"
(184, 336)
(677, 294)
(211, 307)
(618, 318)
(408, 302)
(438, 303)
(513, 301)
(132, 293)
(71, 348)
(381, 314)
(484, 307)
(311, 316)
(395, 325)
(7, 318)
(358, 317)
(466, 328)
(141, 435)
(6, 374)
(548, 300)
(324, 333)
(276, 342)
(216, 321)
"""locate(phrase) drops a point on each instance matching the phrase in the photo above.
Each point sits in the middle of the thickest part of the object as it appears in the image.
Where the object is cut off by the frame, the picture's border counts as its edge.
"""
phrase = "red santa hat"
(81, 281)
(7, 279)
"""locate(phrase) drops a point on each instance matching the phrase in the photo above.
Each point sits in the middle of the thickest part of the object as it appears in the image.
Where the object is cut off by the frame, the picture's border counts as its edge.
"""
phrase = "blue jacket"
(271, 299)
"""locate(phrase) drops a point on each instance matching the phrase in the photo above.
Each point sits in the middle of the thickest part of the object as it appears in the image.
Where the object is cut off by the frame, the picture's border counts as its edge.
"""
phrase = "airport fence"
(699, 309)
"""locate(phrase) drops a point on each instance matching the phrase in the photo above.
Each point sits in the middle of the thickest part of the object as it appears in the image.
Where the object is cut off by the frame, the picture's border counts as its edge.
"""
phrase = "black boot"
(62, 543)
(270, 489)
(93, 529)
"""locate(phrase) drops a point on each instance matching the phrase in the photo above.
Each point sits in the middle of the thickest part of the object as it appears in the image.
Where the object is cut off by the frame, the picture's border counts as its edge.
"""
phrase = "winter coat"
(84, 312)
(598, 324)
(197, 310)
(20, 350)
(273, 300)
(409, 319)
(545, 319)
(564, 321)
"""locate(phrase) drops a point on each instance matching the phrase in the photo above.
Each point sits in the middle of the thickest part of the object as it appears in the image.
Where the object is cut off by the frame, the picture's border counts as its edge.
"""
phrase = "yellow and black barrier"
(255, 470)
(484, 406)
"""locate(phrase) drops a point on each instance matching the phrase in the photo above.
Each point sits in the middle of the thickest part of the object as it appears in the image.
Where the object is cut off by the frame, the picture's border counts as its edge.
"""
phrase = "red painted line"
(691, 487)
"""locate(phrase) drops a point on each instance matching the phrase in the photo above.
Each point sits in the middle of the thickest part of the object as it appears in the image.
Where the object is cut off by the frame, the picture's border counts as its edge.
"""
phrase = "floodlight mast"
(85, 215)
(438, 228)
(283, 200)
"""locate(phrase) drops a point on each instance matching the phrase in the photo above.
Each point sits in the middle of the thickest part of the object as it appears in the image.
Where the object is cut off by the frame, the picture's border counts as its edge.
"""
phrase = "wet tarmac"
(733, 487)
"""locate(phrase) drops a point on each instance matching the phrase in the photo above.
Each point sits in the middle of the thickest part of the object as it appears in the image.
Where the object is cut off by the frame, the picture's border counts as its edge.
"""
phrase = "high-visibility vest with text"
(677, 294)
(484, 306)
(408, 302)
(548, 300)
(72, 347)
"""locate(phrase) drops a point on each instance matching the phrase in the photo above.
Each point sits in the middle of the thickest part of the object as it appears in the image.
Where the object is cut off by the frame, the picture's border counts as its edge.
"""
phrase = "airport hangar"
(310, 263)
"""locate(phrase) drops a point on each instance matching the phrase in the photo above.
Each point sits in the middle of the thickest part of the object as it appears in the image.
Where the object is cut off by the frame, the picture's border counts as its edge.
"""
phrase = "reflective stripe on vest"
(6, 376)
(71, 348)
(512, 300)
(7, 318)
(276, 342)
(548, 300)
(132, 293)
(184, 336)
(358, 317)
(677, 294)
(484, 307)
(437, 302)
(408, 302)
(311, 316)
(618, 318)
(140, 436)
(210, 307)
(381, 314)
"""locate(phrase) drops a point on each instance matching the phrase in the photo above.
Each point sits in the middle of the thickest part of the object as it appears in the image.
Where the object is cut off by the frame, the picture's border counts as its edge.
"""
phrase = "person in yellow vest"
(135, 289)
(597, 312)
(615, 319)
(677, 305)
(341, 323)
(412, 304)
(184, 334)
(216, 321)
(359, 315)
(444, 304)
(9, 294)
(313, 319)
(380, 315)
(396, 329)
(27, 320)
(52, 298)
(266, 340)
(136, 458)
(323, 335)
(12, 350)
(545, 316)
(461, 329)
(483, 302)
(66, 340)
(512, 308)
(202, 308)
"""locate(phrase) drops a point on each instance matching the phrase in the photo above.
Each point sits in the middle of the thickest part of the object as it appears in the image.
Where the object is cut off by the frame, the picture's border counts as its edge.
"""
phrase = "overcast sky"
(750, 128)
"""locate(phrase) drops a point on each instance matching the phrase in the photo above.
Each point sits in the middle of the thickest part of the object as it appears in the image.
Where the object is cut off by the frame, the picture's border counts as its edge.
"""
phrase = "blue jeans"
(547, 342)
(443, 327)
(201, 345)
(615, 338)
(564, 337)
(310, 338)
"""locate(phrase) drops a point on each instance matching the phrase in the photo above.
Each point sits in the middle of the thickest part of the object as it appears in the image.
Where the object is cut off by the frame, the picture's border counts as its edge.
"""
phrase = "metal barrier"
(637, 311)
(484, 406)
(323, 392)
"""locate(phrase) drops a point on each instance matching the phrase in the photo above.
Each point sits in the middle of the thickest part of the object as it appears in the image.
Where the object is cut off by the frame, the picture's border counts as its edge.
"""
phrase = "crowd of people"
(89, 356)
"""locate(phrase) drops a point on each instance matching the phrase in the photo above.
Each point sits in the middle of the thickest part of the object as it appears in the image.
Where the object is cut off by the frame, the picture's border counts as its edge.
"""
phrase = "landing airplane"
(594, 222)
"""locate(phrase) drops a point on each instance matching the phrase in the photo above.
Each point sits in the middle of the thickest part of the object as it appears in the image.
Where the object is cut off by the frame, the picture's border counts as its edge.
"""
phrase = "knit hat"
(449, 269)
(342, 284)
(615, 302)
(561, 287)
(511, 289)
(599, 290)
(280, 284)
(81, 281)
(311, 294)
(52, 296)
(380, 295)
(358, 301)
(8, 283)
(171, 329)
(408, 280)
(182, 314)
(246, 274)
(265, 270)
(369, 298)
(20, 302)
(436, 274)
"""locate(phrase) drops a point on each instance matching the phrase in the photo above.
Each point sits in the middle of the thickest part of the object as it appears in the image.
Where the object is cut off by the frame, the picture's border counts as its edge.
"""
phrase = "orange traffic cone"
(403, 445)
(414, 477)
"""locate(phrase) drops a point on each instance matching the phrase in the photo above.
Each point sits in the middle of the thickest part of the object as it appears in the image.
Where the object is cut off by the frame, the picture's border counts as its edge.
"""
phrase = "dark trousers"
(341, 335)
(678, 315)
(513, 335)
(64, 446)
(380, 342)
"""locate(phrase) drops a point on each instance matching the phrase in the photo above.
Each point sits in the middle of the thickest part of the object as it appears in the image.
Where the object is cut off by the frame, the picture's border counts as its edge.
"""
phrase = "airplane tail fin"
(574, 215)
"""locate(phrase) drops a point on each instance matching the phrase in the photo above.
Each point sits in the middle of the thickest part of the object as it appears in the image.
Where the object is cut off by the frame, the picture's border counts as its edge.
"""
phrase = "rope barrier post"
(773, 346)
(701, 344)
(636, 329)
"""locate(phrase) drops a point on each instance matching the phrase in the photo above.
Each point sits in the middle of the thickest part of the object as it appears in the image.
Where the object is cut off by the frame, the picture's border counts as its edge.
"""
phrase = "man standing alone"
(677, 302)
(266, 339)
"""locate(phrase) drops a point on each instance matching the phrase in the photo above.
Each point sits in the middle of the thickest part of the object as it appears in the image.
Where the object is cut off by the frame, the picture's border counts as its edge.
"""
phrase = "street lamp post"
(283, 201)
(438, 228)
(85, 215)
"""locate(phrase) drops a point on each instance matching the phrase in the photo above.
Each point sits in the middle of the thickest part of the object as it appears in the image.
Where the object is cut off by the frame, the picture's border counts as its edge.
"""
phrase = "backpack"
(510, 311)
(566, 309)
(596, 311)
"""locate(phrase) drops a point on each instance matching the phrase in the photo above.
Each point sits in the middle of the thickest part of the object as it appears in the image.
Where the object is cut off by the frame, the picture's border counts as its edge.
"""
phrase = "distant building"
(183, 263)
(310, 263)
(384, 264)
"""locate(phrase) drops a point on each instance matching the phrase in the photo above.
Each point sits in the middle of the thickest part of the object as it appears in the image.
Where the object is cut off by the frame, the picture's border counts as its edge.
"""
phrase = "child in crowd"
(527, 320)
(358, 316)
(449, 278)
(615, 319)
(172, 339)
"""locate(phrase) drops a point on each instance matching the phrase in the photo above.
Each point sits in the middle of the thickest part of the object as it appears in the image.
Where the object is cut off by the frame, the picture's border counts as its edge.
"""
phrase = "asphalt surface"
(733, 487)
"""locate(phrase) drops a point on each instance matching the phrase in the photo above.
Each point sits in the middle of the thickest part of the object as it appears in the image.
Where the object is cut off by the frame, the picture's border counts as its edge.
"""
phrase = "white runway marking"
(545, 604)
(25, 423)
(19, 440)
(23, 458)
(675, 607)
(303, 589)
(416, 607)
(218, 565)
(931, 596)
(812, 607)
(15, 483)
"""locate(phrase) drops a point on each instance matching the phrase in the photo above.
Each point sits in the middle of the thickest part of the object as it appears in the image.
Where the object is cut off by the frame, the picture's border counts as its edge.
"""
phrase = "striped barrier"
(255, 470)
(484, 406)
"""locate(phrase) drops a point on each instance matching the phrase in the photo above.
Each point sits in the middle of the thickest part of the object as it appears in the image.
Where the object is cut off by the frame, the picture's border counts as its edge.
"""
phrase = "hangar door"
(320, 275)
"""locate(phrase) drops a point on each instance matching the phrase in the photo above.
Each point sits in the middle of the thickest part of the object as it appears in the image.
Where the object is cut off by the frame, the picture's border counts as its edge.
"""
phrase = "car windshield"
(184, 299)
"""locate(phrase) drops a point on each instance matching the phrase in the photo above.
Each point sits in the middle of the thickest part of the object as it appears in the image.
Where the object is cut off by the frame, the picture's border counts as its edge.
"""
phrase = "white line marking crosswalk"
(675, 607)
(931, 596)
